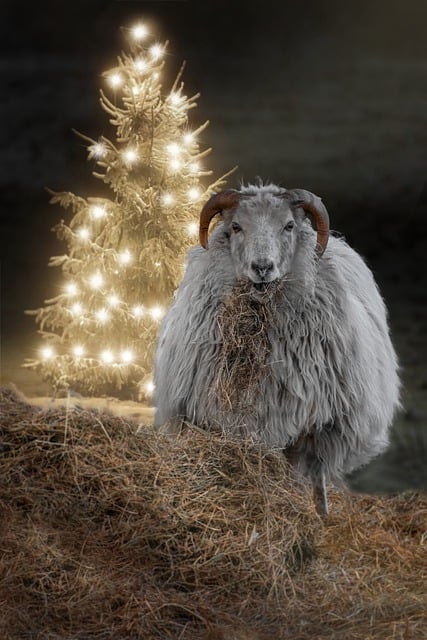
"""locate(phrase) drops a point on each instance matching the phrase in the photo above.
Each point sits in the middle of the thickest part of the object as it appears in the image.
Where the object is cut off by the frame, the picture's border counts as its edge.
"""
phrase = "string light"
(174, 149)
(76, 309)
(107, 356)
(192, 228)
(188, 138)
(71, 289)
(84, 233)
(78, 351)
(99, 150)
(113, 300)
(168, 199)
(156, 312)
(175, 164)
(149, 387)
(96, 281)
(156, 51)
(47, 353)
(194, 193)
(194, 167)
(140, 64)
(98, 212)
(125, 257)
(130, 156)
(138, 311)
(115, 80)
(139, 31)
(126, 356)
(103, 315)
(176, 99)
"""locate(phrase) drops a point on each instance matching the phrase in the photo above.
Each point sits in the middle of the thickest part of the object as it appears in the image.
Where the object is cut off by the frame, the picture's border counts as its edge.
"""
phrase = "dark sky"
(329, 96)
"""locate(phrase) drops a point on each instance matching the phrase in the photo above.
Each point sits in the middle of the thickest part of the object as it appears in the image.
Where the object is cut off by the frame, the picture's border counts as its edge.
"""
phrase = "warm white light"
(107, 356)
(130, 156)
(156, 312)
(176, 99)
(192, 228)
(103, 315)
(47, 353)
(78, 351)
(194, 193)
(156, 51)
(168, 199)
(125, 257)
(71, 289)
(188, 138)
(194, 167)
(115, 80)
(174, 149)
(175, 164)
(96, 280)
(156, 75)
(140, 64)
(139, 31)
(149, 387)
(135, 90)
(77, 309)
(84, 233)
(113, 300)
(99, 150)
(138, 311)
(98, 212)
(126, 356)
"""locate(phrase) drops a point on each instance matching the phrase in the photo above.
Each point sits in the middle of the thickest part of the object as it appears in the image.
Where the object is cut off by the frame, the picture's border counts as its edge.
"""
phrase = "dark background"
(330, 96)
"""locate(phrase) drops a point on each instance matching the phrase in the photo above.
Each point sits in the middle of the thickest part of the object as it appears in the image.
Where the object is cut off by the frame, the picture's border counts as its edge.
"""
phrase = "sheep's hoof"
(320, 496)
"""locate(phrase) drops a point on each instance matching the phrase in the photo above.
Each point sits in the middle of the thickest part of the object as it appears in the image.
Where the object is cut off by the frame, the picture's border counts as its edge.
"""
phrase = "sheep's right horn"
(218, 202)
(314, 207)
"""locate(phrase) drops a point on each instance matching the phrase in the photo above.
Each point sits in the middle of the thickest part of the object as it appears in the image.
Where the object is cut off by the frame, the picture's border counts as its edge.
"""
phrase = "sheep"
(278, 331)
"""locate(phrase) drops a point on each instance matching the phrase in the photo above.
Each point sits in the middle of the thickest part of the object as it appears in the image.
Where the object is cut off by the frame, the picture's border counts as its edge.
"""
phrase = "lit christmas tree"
(125, 253)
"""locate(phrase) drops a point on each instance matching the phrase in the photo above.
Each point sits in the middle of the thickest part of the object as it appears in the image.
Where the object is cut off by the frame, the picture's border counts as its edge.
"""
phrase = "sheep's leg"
(320, 494)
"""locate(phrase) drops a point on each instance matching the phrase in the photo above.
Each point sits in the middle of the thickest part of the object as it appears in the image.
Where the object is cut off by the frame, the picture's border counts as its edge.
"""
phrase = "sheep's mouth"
(261, 286)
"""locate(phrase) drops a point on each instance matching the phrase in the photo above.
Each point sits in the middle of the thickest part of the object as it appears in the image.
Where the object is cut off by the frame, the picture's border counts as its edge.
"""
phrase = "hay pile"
(110, 531)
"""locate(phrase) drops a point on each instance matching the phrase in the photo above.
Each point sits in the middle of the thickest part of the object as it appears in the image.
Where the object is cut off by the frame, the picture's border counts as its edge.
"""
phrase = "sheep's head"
(263, 224)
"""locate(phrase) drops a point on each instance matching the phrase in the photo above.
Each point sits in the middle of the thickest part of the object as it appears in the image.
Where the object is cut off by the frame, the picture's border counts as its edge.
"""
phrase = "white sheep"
(279, 332)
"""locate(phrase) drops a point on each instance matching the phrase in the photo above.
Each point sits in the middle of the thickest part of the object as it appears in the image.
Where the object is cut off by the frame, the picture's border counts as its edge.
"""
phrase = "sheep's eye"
(290, 225)
(236, 227)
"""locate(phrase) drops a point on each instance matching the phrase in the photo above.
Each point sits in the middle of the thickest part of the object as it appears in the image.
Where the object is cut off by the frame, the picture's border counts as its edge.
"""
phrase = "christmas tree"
(126, 252)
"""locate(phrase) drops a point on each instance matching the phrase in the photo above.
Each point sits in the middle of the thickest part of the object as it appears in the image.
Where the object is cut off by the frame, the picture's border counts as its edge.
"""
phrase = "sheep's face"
(263, 234)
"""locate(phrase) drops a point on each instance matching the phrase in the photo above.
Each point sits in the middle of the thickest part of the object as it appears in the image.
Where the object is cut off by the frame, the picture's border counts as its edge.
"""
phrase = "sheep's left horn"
(218, 202)
(315, 208)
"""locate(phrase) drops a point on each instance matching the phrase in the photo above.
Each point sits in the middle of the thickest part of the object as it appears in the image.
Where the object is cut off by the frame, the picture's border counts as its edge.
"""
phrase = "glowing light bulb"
(156, 51)
(149, 387)
(188, 138)
(98, 212)
(113, 300)
(156, 312)
(125, 257)
(175, 164)
(107, 356)
(71, 289)
(84, 233)
(156, 75)
(135, 90)
(99, 150)
(76, 309)
(138, 311)
(47, 353)
(126, 356)
(194, 167)
(96, 281)
(194, 193)
(174, 149)
(78, 351)
(115, 80)
(140, 64)
(139, 31)
(168, 199)
(130, 156)
(192, 228)
(103, 315)
(176, 99)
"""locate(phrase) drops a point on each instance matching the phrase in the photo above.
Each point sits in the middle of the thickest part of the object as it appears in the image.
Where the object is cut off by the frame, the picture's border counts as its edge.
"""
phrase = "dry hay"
(113, 531)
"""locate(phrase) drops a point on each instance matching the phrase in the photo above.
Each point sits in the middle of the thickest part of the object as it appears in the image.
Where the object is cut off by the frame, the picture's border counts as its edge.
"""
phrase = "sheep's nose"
(262, 268)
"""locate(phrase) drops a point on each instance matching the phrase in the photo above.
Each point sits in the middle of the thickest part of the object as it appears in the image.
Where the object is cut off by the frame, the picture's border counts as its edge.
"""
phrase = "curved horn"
(314, 207)
(218, 202)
